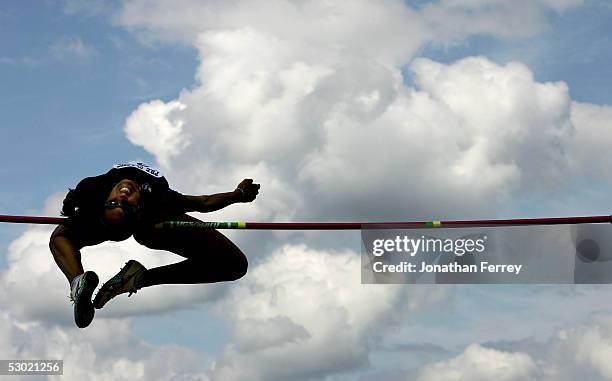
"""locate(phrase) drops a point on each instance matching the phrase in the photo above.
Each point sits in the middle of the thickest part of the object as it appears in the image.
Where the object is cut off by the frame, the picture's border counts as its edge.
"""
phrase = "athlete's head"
(123, 202)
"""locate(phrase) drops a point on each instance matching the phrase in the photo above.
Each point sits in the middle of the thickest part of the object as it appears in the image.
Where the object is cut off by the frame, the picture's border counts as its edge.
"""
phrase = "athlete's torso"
(159, 201)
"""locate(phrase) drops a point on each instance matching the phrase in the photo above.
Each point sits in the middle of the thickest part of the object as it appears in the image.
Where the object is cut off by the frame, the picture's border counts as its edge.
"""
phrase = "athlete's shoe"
(126, 280)
(81, 294)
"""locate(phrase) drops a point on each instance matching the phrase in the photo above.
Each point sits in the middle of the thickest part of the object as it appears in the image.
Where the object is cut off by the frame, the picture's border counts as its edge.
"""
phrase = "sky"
(342, 111)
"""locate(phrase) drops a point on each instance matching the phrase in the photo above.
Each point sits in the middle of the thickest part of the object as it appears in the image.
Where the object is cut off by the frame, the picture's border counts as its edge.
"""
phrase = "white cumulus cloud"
(302, 313)
(153, 127)
(109, 351)
(477, 363)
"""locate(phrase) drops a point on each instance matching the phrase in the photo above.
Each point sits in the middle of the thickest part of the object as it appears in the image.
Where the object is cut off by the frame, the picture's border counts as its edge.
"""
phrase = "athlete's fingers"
(245, 183)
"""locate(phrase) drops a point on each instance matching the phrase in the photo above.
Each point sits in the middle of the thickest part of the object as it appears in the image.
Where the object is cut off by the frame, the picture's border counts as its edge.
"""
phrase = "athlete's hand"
(247, 190)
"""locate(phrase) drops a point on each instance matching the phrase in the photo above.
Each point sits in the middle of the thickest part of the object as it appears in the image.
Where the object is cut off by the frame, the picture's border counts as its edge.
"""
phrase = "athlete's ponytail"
(70, 205)
(86, 200)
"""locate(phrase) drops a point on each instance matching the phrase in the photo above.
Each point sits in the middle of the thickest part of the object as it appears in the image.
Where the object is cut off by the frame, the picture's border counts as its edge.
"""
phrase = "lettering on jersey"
(143, 167)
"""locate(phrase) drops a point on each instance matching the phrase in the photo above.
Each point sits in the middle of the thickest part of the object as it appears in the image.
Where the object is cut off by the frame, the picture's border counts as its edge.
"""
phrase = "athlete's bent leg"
(211, 257)
(82, 284)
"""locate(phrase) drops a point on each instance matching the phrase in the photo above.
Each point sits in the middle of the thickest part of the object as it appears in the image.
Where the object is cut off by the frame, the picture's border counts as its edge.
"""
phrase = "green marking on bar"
(205, 225)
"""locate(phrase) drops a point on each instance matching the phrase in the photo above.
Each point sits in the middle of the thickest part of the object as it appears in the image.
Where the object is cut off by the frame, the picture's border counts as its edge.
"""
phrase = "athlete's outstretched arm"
(245, 192)
(210, 203)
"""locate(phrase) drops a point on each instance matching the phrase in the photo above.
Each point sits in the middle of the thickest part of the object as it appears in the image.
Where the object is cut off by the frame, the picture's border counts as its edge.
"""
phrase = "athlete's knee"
(58, 232)
(239, 267)
(53, 245)
(60, 241)
(152, 239)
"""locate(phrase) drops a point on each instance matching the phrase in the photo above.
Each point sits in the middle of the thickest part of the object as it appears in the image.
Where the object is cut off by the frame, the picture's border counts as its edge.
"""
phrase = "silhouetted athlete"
(129, 200)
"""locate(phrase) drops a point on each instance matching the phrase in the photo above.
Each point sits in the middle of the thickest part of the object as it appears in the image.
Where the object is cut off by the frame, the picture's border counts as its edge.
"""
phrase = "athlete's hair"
(71, 203)
(85, 201)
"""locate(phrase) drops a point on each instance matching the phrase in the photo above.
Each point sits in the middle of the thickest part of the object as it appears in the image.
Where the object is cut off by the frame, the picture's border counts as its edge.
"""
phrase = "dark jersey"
(84, 205)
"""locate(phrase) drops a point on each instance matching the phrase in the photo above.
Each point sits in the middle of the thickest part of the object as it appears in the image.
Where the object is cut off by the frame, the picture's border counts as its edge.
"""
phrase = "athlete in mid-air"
(129, 200)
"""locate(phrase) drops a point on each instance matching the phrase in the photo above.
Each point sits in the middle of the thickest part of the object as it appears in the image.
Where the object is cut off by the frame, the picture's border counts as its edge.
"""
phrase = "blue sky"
(85, 85)
(69, 82)
(573, 49)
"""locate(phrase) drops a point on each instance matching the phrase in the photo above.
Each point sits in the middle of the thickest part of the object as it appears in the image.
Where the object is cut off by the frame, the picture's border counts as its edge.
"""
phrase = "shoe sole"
(98, 302)
(91, 281)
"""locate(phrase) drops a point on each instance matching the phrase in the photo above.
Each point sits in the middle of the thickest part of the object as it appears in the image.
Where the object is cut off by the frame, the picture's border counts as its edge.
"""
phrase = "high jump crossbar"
(341, 225)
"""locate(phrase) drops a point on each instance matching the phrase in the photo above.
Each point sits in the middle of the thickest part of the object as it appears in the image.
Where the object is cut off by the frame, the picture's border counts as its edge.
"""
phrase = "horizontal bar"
(385, 225)
(33, 220)
(341, 225)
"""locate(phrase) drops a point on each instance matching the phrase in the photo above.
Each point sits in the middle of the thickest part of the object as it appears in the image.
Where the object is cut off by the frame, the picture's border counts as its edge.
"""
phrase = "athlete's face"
(125, 191)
